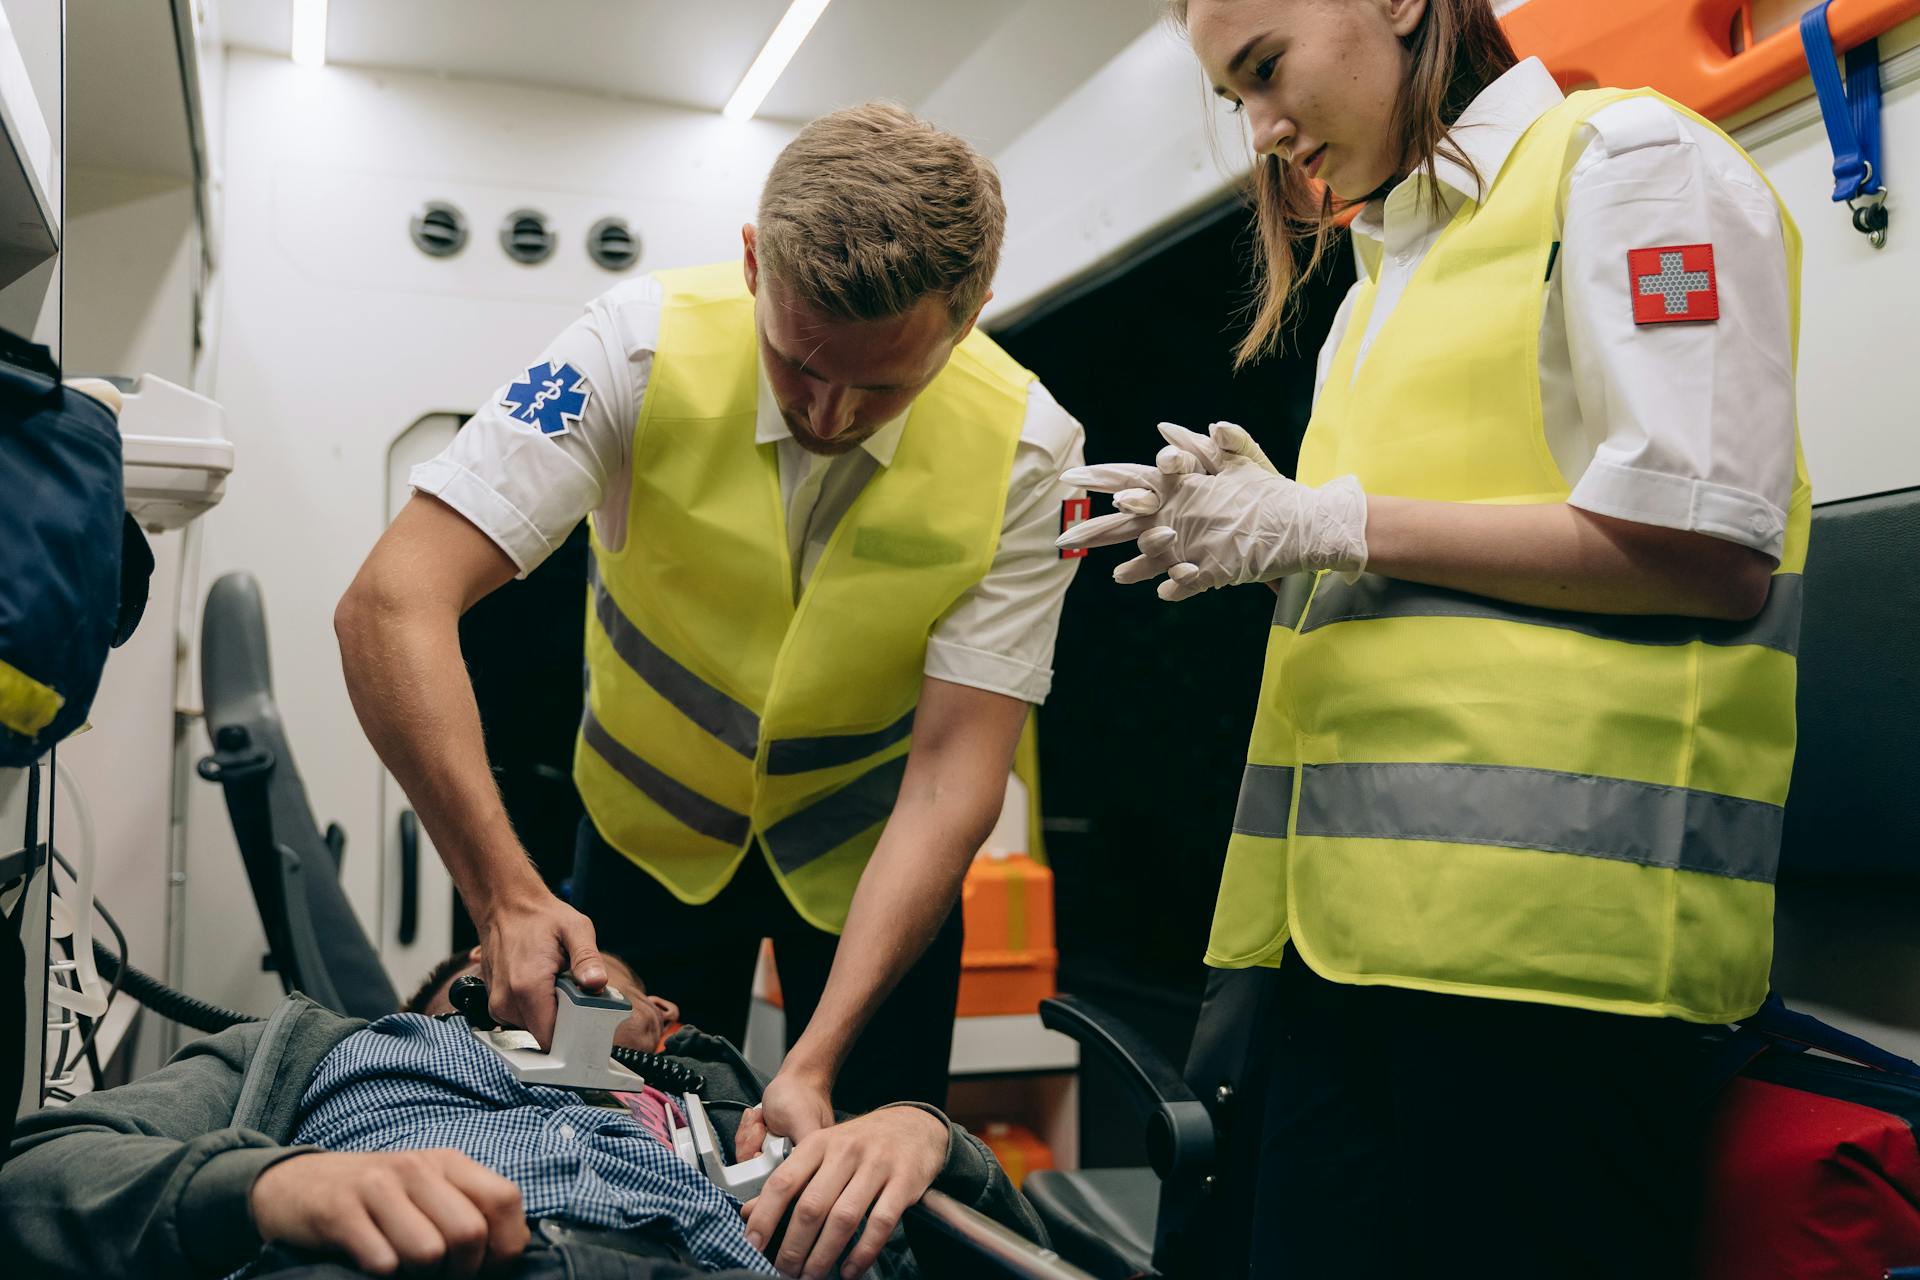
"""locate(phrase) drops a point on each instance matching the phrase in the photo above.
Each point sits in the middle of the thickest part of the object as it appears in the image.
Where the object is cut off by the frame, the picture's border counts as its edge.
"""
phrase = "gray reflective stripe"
(1266, 794)
(731, 722)
(1293, 593)
(1642, 822)
(800, 755)
(1372, 596)
(837, 817)
(683, 802)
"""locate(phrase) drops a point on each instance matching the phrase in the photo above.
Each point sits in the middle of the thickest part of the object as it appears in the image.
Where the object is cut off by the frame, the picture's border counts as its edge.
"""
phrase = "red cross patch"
(1072, 512)
(1674, 282)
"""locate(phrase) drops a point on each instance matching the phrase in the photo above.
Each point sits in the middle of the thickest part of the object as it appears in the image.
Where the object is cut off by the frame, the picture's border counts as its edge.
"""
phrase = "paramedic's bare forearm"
(1558, 556)
(399, 631)
(955, 782)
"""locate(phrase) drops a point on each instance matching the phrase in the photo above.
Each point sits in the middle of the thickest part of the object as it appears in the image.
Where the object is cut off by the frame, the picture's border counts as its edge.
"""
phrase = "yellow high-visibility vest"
(1455, 794)
(720, 709)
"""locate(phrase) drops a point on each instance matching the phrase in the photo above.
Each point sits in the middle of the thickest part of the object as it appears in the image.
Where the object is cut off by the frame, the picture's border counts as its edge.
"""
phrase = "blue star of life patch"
(551, 395)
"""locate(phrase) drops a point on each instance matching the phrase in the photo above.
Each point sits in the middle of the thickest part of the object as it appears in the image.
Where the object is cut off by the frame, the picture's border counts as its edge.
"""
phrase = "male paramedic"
(824, 595)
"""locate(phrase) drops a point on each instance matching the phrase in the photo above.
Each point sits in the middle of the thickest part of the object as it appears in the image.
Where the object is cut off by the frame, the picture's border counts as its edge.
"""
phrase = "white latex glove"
(1138, 488)
(1223, 440)
(1247, 524)
(1141, 494)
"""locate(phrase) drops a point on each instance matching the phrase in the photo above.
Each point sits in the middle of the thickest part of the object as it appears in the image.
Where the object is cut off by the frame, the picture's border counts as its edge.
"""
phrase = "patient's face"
(643, 1028)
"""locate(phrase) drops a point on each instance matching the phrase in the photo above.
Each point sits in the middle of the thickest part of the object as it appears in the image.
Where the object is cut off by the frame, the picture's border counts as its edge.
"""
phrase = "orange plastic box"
(1018, 1149)
(1009, 962)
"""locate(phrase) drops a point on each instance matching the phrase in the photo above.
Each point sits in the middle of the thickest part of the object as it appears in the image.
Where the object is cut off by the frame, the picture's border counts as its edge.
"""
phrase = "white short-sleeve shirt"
(1684, 426)
(527, 489)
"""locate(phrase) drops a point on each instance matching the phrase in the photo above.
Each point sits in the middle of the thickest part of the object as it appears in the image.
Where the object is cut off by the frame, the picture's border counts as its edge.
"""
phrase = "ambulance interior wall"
(338, 334)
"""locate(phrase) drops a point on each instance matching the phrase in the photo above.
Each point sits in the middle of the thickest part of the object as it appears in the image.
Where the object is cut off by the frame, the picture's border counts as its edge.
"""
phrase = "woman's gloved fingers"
(1139, 502)
(1183, 580)
(1143, 567)
(1172, 461)
(1231, 437)
(1203, 450)
(1111, 477)
(1157, 555)
(1103, 531)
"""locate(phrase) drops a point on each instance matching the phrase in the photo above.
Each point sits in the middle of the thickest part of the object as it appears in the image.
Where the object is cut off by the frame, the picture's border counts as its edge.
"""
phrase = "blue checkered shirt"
(408, 1081)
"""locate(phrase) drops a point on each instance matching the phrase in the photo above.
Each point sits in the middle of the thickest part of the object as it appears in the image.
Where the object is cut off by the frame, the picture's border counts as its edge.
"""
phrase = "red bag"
(1813, 1166)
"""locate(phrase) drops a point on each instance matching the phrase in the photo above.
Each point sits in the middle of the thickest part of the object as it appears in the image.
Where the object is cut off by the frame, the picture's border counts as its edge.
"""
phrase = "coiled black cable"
(164, 1000)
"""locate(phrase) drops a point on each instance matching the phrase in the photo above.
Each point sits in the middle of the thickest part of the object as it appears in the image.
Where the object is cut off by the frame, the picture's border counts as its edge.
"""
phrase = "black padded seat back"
(314, 939)
(1857, 766)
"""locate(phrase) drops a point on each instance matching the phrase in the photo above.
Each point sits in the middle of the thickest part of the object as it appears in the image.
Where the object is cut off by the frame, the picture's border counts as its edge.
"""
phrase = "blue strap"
(1851, 109)
(1778, 1023)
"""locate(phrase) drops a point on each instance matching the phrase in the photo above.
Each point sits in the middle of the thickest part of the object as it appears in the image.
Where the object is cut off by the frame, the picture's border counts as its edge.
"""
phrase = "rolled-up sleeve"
(999, 635)
(1695, 419)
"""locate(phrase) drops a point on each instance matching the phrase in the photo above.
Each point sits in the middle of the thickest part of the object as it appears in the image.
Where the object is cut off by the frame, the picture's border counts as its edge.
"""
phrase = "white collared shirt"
(1684, 426)
(527, 491)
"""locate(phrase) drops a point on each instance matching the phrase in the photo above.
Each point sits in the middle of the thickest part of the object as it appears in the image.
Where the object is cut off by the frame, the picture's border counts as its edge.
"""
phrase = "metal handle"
(409, 877)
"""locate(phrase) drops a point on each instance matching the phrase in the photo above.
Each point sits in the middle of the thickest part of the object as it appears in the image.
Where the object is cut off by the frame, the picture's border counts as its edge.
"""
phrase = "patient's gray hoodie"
(151, 1179)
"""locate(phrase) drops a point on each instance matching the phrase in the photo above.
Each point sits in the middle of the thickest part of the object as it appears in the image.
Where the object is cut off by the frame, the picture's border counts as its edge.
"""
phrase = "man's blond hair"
(871, 209)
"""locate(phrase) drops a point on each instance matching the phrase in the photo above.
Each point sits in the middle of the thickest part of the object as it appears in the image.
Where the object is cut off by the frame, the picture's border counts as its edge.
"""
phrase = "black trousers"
(1406, 1133)
(702, 958)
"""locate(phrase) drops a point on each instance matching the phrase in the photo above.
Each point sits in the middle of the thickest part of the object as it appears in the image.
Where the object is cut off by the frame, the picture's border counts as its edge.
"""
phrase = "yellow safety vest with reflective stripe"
(719, 708)
(1452, 793)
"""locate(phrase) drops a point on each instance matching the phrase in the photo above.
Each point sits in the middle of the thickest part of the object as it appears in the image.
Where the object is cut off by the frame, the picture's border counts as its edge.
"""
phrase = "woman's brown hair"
(1457, 50)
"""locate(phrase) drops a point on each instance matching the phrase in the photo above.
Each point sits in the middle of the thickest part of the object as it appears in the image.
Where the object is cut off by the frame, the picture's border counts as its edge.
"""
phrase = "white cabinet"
(29, 212)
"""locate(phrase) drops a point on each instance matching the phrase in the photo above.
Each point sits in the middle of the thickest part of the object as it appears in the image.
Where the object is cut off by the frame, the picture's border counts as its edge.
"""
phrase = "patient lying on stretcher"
(314, 1145)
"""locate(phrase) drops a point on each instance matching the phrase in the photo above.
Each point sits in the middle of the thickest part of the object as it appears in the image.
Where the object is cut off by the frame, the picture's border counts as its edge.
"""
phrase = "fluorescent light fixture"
(310, 33)
(780, 48)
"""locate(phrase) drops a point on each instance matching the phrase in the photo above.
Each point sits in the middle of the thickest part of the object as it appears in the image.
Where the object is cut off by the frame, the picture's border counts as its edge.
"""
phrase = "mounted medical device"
(177, 455)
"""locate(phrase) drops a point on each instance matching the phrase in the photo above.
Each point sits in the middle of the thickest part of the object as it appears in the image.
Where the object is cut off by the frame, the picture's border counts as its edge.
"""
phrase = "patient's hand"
(874, 1167)
(433, 1212)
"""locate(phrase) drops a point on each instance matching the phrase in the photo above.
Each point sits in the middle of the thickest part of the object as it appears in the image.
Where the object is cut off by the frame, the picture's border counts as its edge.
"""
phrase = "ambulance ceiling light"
(780, 48)
(309, 45)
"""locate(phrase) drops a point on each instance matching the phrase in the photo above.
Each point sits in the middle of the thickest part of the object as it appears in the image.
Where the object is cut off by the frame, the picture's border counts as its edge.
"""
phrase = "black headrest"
(236, 678)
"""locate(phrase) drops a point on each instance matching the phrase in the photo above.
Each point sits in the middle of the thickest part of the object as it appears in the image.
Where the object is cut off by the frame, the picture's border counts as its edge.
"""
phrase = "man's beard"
(846, 442)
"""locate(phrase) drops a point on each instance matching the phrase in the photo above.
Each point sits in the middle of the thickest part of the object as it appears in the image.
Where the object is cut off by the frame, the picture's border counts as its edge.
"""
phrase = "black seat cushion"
(1099, 1219)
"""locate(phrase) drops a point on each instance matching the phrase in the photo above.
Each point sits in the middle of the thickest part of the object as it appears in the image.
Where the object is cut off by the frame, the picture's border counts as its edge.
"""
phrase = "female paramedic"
(1512, 806)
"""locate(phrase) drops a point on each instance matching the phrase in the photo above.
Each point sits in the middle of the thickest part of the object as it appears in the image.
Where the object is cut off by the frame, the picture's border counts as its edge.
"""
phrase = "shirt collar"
(1486, 133)
(770, 427)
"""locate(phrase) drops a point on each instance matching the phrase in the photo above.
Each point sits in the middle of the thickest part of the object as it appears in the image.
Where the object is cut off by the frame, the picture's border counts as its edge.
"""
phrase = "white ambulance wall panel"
(130, 256)
(337, 334)
(1138, 147)
(1859, 380)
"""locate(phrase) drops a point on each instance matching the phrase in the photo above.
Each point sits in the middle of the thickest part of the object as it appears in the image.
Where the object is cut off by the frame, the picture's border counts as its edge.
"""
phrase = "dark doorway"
(525, 647)
(1144, 735)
